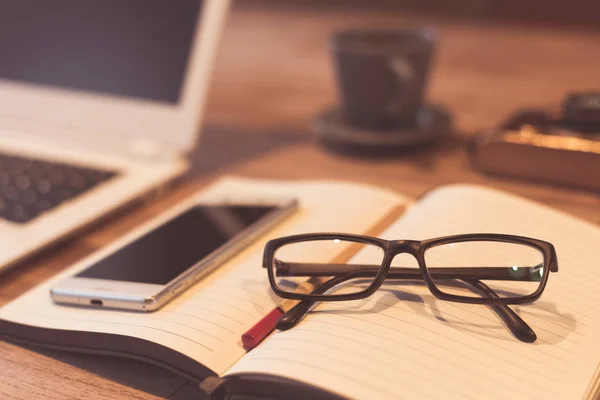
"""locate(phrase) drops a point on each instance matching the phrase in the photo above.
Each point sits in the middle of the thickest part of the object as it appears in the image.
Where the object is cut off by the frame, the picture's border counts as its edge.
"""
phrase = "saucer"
(433, 123)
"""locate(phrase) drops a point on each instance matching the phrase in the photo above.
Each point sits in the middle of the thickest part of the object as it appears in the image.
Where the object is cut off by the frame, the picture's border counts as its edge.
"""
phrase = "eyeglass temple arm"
(513, 321)
(294, 315)
(489, 273)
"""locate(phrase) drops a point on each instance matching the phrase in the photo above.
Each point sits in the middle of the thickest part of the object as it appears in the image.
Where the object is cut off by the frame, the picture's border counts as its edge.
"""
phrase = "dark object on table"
(582, 112)
(382, 76)
(537, 145)
(432, 123)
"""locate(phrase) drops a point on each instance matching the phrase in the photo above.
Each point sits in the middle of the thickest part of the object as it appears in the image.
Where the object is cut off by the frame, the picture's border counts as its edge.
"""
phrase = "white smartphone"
(169, 255)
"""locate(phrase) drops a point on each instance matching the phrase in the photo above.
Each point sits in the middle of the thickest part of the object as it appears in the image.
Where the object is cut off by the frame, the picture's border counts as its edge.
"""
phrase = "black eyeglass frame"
(417, 249)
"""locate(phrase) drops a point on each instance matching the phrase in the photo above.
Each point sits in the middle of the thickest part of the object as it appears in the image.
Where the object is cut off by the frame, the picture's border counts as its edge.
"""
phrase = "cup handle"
(405, 76)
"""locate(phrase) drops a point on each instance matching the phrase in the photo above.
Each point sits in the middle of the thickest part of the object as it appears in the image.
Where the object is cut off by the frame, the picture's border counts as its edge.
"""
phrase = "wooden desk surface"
(273, 73)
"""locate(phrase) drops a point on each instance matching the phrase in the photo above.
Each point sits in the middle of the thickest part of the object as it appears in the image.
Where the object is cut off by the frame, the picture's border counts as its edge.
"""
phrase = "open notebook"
(389, 346)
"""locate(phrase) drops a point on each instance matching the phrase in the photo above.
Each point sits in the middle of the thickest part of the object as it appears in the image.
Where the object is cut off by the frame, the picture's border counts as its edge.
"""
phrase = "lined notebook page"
(402, 343)
(206, 322)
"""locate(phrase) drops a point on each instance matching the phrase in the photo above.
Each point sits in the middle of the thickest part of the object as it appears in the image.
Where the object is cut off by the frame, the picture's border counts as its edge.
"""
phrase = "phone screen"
(164, 253)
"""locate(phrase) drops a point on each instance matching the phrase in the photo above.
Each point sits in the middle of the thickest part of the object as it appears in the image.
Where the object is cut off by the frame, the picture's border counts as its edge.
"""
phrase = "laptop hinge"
(72, 137)
(151, 150)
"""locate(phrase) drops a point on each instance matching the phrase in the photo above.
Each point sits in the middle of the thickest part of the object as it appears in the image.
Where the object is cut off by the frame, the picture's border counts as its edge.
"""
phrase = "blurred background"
(274, 73)
(493, 55)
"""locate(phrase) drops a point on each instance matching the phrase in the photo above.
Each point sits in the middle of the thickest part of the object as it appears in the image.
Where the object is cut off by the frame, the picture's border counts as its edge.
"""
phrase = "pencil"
(263, 328)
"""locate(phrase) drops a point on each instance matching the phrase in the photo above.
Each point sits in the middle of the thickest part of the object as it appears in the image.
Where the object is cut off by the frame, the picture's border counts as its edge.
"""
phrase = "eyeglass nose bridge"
(412, 247)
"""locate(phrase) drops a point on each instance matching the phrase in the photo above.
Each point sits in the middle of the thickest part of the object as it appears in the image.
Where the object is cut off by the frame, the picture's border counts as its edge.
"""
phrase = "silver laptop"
(99, 103)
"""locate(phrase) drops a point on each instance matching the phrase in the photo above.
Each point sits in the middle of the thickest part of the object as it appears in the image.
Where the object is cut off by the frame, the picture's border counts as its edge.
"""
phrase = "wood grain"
(273, 74)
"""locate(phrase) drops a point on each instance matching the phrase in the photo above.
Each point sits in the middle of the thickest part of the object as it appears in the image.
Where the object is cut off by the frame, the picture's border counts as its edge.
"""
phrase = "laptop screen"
(132, 48)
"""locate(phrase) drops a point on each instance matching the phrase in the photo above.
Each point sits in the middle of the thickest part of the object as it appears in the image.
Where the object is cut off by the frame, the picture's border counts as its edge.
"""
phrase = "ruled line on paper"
(478, 326)
(402, 372)
(579, 313)
(470, 310)
(527, 310)
(570, 300)
(235, 285)
(126, 324)
(388, 365)
(581, 282)
(487, 342)
(207, 301)
(188, 326)
(238, 296)
(345, 376)
(199, 307)
(496, 321)
(398, 307)
(435, 344)
(392, 349)
(532, 315)
(204, 320)
(208, 296)
(355, 368)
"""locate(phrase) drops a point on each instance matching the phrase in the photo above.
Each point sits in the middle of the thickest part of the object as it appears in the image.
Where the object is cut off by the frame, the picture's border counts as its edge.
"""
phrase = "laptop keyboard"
(30, 187)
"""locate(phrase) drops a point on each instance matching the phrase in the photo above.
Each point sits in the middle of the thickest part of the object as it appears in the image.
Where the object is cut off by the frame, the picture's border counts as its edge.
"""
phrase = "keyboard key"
(9, 192)
(30, 187)
(22, 182)
(43, 186)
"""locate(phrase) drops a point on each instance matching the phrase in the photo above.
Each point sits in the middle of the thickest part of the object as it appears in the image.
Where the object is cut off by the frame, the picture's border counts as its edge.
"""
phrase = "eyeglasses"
(490, 269)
